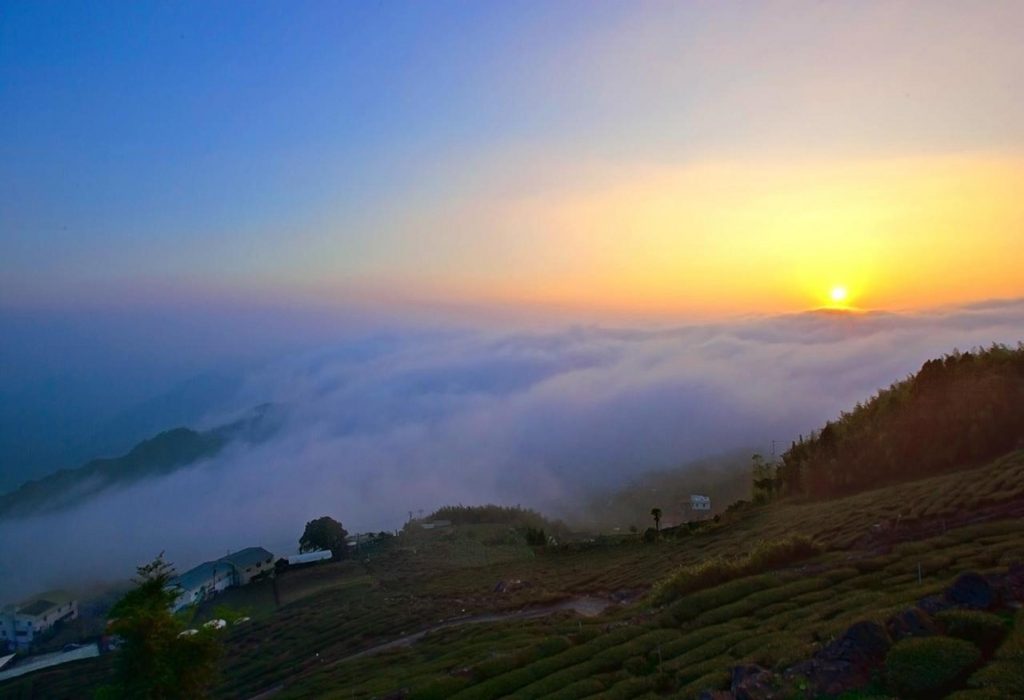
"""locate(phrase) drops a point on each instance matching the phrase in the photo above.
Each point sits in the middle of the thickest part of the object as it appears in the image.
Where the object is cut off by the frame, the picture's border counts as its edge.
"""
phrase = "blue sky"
(333, 152)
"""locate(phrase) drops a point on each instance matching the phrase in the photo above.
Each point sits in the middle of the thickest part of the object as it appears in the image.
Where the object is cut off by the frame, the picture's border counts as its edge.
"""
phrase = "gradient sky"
(696, 158)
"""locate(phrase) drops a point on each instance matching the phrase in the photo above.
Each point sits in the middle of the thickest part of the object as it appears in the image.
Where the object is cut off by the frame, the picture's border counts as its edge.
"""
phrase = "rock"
(934, 604)
(752, 682)
(865, 643)
(1009, 587)
(847, 663)
(973, 591)
(912, 622)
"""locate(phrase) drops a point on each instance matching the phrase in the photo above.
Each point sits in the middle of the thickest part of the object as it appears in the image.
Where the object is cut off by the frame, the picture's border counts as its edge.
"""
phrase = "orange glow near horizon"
(727, 238)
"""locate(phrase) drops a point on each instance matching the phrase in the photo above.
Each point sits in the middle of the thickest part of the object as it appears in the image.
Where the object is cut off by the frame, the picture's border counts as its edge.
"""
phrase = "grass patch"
(982, 629)
(765, 556)
(927, 667)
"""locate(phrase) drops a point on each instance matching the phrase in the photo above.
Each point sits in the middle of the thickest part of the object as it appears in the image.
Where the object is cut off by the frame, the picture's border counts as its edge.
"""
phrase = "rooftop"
(248, 557)
(43, 602)
(199, 575)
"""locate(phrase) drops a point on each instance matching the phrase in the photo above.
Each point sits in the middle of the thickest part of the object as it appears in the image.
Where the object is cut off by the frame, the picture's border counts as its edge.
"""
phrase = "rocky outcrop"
(853, 660)
(972, 591)
(912, 622)
(846, 663)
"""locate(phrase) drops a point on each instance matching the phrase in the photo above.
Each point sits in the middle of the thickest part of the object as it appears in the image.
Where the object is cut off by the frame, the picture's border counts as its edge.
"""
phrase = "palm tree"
(656, 514)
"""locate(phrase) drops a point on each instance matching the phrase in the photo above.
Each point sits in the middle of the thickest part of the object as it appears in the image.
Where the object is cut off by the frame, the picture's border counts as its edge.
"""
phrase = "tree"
(324, 533)
(155, 662)
(535, 537)
(656, 514)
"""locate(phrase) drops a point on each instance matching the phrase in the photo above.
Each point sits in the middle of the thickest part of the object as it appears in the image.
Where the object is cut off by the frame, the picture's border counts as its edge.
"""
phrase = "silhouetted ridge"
(163, 453)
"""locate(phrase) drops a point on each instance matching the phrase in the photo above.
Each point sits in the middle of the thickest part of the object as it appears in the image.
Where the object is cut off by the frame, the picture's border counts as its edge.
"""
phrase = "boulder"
(973, 591)
(934, 604)
(863, 644)
(847, 663)
(1009, 587)
(752, 682)
(912, 622)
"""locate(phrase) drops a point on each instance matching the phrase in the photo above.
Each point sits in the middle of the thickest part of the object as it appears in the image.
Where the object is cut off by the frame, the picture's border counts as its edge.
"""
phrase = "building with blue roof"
(211, 577)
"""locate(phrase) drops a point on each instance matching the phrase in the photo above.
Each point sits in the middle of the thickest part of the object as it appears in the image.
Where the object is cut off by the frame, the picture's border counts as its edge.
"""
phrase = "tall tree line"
(962, 410)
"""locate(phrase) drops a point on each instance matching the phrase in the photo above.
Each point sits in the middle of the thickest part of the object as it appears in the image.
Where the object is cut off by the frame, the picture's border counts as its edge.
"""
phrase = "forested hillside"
(959, 411)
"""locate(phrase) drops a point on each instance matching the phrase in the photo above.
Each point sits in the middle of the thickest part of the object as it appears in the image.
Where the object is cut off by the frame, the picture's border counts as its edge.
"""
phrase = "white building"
(20, 624)
(210, 578)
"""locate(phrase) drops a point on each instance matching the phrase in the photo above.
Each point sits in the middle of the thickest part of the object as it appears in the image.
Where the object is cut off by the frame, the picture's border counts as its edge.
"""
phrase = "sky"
(693, 160)
(479, 251)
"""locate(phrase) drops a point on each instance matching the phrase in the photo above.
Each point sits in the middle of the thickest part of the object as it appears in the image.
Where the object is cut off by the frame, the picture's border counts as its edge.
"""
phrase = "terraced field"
(773, 619)
(883, 550)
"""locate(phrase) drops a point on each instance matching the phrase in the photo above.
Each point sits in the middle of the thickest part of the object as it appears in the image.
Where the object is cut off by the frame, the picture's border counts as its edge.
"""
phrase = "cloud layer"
(382, 426)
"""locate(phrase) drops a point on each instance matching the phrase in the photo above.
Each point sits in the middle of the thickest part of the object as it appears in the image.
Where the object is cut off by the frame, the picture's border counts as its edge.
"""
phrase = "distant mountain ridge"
(161, 454)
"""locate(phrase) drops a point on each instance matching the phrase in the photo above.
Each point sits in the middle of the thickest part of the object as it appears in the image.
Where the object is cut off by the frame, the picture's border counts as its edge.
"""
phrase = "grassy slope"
(772, 618)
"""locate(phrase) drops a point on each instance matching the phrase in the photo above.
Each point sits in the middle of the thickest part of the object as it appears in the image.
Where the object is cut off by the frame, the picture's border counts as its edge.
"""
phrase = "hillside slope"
(958, 411)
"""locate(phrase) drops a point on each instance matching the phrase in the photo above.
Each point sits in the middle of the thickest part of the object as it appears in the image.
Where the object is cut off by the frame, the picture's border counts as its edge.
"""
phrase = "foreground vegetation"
(772, 600)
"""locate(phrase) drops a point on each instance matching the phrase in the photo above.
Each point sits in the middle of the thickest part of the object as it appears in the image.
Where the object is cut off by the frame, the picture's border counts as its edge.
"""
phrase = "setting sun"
(838, 295)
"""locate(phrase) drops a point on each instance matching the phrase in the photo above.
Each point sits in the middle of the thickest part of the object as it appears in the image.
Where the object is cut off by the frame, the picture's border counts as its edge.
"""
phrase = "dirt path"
(585, 606)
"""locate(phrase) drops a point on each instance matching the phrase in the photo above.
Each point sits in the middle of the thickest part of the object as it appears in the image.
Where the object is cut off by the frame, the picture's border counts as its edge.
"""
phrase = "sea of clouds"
(377, 427)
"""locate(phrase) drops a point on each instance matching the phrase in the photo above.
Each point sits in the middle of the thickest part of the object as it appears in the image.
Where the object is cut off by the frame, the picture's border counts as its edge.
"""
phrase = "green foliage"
(156, 662)
(490, 514)
(926, 667)
(1004, 676)
(764, 480)
(982, 629)
(228, 614)
(715, 571)
(958, 411)
(535, 537)
(324, 533)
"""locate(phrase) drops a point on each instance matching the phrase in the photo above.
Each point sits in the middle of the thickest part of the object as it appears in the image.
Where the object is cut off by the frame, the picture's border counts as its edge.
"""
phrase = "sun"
(838, 295)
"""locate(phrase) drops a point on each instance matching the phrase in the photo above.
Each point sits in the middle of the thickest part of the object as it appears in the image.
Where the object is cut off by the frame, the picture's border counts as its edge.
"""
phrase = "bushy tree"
(324, 533)
(656, 514)
(535, 537)
(157, 662)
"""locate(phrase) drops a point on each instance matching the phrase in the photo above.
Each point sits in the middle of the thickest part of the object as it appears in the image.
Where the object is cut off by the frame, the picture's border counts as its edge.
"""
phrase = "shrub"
(535, 537)
(929, 666)
(640, 665)
(983, 629)
(764, 556)
(650, 535)
(1004, 677)
(769, 555)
